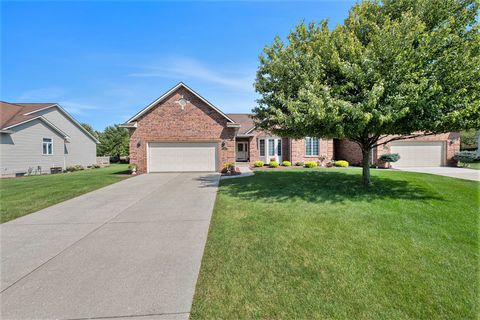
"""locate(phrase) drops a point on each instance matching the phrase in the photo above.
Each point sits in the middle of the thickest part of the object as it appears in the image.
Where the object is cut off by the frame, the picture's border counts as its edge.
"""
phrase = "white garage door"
(418, 154)
(174, 157)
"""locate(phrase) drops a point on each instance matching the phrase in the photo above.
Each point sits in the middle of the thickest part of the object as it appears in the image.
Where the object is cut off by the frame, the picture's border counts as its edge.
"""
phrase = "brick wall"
(167, 122)
(298, 150)
(350, 151)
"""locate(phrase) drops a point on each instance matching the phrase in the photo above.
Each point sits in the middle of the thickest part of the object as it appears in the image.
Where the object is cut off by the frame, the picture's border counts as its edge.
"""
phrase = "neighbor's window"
(271, 147)
(262, 148)
(47, 146)
(311, 146)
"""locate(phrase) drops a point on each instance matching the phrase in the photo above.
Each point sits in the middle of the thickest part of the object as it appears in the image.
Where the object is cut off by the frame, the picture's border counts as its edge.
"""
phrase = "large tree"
(395, 69)
(114, 142)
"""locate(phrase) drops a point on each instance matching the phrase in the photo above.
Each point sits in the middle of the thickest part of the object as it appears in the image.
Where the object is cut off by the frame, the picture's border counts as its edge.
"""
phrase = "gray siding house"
(38, 136)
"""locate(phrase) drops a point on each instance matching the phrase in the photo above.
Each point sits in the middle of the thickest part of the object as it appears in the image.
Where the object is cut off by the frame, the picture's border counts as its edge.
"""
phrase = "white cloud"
(187, 68)
(48, 94)
(77, 108)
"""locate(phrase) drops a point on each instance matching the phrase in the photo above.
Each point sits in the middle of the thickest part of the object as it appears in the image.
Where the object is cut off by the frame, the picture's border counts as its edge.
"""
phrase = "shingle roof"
(14, 113)
(244, 119)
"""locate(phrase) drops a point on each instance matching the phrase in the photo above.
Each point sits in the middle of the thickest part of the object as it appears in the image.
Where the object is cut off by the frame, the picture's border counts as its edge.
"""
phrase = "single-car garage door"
(174, 157)
(418, 153)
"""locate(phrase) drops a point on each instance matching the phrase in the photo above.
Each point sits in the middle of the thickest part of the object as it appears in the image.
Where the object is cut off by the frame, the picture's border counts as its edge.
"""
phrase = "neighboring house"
(182, 131)
(38, 136)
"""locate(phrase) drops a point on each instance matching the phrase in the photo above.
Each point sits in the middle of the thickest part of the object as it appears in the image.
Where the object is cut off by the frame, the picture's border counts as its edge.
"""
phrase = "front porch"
(250, 149)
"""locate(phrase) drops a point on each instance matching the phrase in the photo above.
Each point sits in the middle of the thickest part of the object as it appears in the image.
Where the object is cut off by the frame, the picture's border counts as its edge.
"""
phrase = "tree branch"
(404, 137)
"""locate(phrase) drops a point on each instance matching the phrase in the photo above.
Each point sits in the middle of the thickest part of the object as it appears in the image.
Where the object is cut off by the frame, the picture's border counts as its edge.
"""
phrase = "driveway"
(461, 173)
(132, 249)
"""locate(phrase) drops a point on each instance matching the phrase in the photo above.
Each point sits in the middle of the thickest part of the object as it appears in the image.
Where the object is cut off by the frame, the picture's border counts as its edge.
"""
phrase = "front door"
(242, 151)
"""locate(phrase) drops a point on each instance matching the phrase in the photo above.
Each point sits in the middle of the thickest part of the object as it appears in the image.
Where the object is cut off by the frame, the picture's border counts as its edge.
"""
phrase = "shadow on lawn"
(322, 186)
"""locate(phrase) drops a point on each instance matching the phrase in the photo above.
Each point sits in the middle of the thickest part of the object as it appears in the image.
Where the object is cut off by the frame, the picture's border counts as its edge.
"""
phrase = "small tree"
(90, 129)
(390, 157)
(394, 70)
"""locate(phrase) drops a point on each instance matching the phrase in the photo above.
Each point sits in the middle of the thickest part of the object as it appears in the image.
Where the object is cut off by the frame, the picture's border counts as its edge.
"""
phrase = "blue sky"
(104, 61)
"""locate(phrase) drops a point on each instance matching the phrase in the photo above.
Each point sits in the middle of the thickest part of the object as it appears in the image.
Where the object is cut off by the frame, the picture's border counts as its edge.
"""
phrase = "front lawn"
(21, 196)
(313, 244)
(475, 165)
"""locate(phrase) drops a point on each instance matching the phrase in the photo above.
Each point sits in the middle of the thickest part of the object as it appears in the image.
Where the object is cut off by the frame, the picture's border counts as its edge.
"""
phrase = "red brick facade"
(168, 122)
(350, 151)
(199, 121)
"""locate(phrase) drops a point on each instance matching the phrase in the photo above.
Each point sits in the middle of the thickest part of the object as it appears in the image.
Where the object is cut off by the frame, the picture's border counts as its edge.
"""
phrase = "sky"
(105, 61)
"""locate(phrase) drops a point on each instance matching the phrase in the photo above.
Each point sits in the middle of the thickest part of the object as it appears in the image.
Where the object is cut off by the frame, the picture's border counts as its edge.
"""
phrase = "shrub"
(466, 156)
(390, 157)
(74, 168)
(228, 167)
(300, 163)
(286, 164)
(96, 166)
(258, 164)
(341, 163)
(311, 164)
(273, 164)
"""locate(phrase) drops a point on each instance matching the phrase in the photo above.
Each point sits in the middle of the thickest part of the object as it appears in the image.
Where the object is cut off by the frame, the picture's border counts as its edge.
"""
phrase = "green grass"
(21, 196)
(475, 165)
(313, 244)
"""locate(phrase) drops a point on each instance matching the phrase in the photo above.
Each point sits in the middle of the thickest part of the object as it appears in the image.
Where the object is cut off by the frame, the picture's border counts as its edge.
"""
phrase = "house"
(36, 137)
(182, 131)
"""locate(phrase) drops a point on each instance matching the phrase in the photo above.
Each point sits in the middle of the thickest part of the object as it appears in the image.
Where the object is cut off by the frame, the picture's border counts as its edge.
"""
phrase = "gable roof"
(14, 114)
(166, 94)
(245, 120)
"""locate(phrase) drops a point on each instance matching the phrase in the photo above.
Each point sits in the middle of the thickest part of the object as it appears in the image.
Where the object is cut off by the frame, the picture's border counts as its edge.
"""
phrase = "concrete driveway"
(132, 249)
(461, 173)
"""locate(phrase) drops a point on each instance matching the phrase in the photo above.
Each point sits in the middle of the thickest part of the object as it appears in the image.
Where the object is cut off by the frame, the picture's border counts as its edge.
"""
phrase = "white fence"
(103, 161)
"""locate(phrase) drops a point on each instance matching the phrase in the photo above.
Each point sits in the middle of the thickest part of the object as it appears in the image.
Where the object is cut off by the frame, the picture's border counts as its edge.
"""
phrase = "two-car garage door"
(175, 157)
(418, 153)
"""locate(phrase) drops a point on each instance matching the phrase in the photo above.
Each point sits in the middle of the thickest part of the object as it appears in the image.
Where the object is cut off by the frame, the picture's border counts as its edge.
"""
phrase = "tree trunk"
(366, 152)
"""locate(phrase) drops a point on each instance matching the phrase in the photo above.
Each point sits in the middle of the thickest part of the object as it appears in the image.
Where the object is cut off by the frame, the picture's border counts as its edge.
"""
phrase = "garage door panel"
(418, 154)
(176, 157)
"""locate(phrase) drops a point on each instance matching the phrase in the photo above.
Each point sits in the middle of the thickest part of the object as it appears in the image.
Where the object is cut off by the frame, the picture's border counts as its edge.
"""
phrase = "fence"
(103, 161)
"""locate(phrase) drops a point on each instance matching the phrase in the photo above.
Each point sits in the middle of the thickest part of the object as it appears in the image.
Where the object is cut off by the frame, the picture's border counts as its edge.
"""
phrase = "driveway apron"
(132, 249)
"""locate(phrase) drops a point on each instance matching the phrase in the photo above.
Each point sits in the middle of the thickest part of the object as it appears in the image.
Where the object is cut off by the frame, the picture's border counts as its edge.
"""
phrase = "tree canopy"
(394, 69)
(114, 142)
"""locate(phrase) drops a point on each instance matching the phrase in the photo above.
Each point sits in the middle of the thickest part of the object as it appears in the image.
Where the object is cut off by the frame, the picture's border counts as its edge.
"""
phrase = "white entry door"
(418, 153)
(270, 148)
(175, 157)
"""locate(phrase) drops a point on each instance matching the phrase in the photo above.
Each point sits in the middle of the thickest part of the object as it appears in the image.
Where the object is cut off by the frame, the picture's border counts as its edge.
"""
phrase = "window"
(47, 145)
(279, 147)
(312, 146)
(262, 147)
(271, 147)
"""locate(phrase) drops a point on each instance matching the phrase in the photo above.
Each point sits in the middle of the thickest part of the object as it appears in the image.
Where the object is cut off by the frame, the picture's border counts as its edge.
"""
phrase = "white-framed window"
(47, 146)
(271, 147)
(261, 145)
(312, 146)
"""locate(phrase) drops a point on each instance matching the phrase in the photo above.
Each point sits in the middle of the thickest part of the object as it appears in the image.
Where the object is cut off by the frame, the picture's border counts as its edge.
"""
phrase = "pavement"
(454, 172)
(130, 250)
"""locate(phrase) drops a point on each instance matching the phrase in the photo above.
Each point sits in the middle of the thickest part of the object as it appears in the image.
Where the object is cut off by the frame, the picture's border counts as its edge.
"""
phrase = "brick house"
(182, 131)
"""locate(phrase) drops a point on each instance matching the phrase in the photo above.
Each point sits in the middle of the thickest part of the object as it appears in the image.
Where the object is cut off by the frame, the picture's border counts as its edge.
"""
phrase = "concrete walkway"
(460, 173)
(132, 249)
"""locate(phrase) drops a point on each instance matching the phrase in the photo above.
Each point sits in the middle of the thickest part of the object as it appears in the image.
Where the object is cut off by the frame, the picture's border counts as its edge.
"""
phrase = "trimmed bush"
(390, 157)
(273, 164)
(466, 156)
(286, 164)
(300, 163)
(258, 164)
(311, 164)
(228, 167)
(341, 163)
(74, 168)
